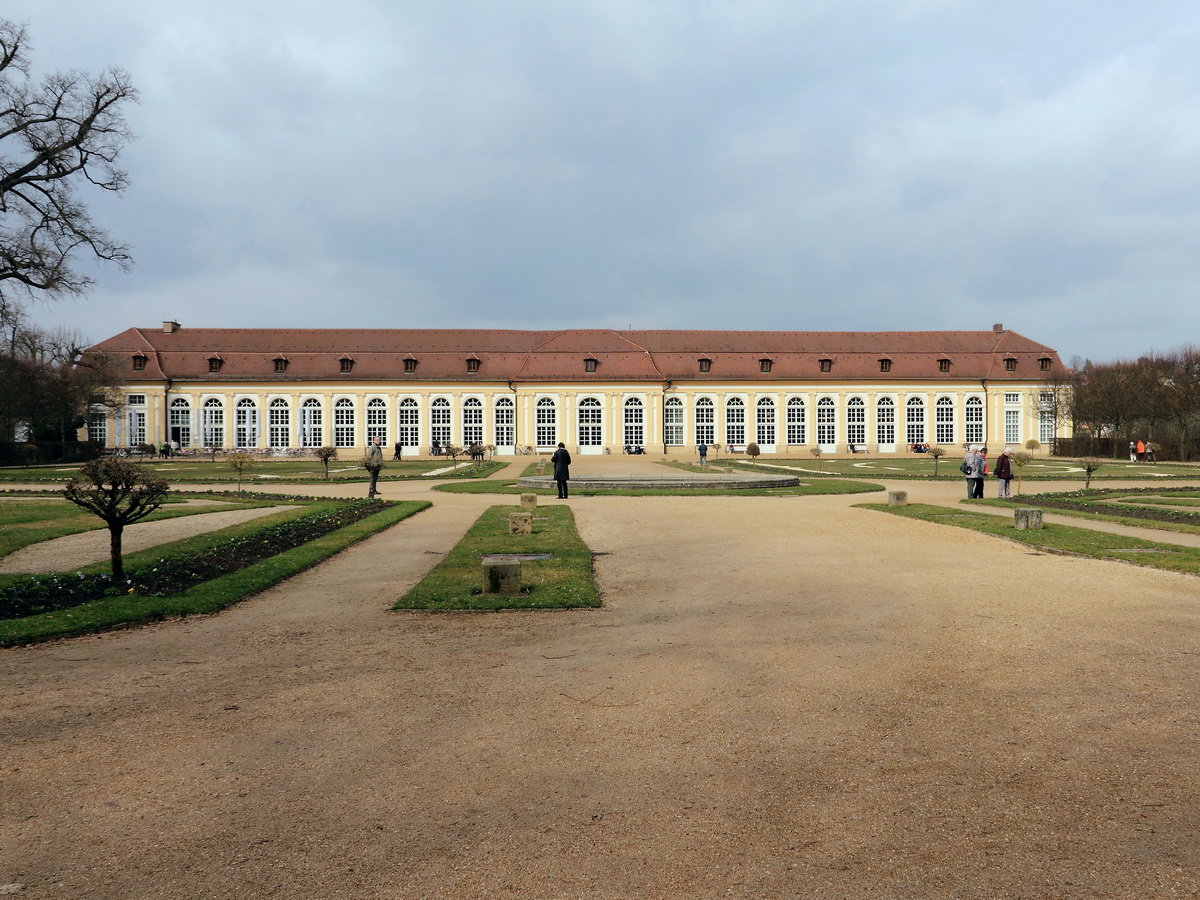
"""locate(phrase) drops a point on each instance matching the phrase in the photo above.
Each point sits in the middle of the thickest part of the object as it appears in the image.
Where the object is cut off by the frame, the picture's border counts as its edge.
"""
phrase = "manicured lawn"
(817, 486)
(33, 519)
(209, 595)
(202, 470)
(562, 581)
(1058, 538)
(883, 466)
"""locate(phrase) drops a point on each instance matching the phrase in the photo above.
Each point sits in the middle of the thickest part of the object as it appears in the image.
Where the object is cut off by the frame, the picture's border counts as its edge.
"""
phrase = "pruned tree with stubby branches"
(57, 135)
(937, 452)
(119, 492)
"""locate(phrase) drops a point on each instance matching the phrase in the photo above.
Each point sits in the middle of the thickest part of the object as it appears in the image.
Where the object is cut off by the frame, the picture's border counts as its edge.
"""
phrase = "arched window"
(796, 431)
(312, 422)
(764, 422)
(439, 422)
(213, 422)
(546, 418)
(591, 422)
(826, 422)
(735, 422)
(408, 423)
(505, 418)
(943, 424)
(856, 421)
(885, 422)
(472, 416)
(279, 424)
(377, 420)
(343, 422)
(915, 419)
(245, 424)
(673, 420)
(973, 420)
(705, 433)
(179, 422)
(635, 423)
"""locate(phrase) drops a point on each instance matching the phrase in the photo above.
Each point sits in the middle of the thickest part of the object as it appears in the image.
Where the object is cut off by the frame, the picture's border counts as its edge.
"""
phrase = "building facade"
(597, 391)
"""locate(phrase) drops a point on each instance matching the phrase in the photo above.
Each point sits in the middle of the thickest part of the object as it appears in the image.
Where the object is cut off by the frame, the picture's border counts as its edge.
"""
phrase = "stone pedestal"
(529, 501)
(520, 523)
(1027, 519)
(897, 498)
(502, 576)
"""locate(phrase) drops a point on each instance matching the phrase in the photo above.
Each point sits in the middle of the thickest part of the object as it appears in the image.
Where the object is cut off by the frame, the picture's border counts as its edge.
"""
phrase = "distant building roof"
(435, 355)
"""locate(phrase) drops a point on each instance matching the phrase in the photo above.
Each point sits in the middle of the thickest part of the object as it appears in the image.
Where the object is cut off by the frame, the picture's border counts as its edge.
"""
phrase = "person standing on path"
(1005, 473)
(972, 468)
(374, 464)
(703, 454)
(562, 470)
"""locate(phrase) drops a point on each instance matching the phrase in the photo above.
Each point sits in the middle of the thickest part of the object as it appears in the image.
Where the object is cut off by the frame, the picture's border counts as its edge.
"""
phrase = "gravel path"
(782, 697)
(75, 551)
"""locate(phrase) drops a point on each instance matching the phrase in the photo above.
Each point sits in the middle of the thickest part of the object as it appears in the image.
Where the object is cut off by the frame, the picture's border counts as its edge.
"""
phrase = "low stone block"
(1027, 519)
(529, 501)
(897, 498)
(502, 576)
(520, 523)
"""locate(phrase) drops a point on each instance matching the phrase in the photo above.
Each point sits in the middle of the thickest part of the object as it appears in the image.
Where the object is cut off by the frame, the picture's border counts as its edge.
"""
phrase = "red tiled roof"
(547, 356)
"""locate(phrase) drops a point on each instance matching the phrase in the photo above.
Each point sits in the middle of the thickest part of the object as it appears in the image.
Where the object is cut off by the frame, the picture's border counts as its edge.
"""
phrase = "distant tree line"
(1155, 398)
(48, 386)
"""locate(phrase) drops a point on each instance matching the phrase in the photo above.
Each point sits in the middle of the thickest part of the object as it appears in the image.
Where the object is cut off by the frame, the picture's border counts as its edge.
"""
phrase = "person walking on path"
(562, 470)
(1141, 450)
(972, 468)
(703, 454)
(373, 465)
(1004, 472)
(397, 449)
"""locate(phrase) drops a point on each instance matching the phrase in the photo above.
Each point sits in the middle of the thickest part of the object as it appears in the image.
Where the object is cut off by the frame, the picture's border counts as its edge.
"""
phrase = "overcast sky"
(809, 165)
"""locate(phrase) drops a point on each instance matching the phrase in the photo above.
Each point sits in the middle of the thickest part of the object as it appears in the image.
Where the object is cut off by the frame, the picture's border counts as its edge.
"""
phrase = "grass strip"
(30, 521)
(208, 597)
(1058, 538)
(818, 487)
(564, 581)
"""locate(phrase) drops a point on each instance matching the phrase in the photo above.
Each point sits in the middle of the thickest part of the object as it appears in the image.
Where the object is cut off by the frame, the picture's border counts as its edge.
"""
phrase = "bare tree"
(1090, 464)
(119, 492)
(240, 462)
(325, 454)
(1020, 458)
(64, 132)
(937, 452)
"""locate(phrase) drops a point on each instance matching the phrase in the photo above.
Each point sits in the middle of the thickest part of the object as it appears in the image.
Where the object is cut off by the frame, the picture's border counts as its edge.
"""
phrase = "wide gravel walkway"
(782, 697)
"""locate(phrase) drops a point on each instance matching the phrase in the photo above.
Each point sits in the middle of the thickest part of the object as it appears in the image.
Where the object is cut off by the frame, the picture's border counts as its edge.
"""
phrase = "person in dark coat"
(1004, 471)
(562, 470)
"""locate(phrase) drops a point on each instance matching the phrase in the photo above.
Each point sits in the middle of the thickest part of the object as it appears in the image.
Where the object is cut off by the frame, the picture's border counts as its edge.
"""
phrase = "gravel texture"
(782, 697)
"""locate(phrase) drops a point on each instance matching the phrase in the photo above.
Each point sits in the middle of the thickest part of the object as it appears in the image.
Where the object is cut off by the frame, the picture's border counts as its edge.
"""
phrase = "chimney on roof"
(170, 327)
(998, 328)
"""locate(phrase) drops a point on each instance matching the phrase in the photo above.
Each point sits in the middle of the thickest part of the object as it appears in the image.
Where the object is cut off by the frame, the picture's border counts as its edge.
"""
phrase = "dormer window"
(885, 365)
(705, 364)
(764, 365)
(827, 365)
(214, 363)
(345, 364)
(1010, 364)
(139, 362)
(410, 364)
(473, 364)
(589, 365)
(943, 365)
(1044, 364)
(281, 364)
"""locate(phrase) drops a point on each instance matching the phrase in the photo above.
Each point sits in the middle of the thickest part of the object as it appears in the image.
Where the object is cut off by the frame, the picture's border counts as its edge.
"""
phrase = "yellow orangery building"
(597, 391)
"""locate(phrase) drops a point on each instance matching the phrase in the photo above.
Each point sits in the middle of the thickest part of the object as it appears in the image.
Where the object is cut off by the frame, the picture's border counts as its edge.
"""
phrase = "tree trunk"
(118, 566)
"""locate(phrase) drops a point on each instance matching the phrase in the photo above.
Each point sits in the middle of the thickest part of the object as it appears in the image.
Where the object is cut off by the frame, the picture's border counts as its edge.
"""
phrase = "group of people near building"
(975, 468)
